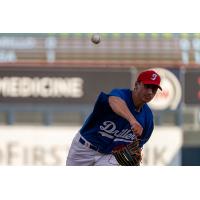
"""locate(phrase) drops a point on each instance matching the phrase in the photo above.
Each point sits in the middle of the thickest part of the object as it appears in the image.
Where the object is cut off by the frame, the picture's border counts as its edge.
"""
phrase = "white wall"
(35, 145)
(164, 147)
(31, 145)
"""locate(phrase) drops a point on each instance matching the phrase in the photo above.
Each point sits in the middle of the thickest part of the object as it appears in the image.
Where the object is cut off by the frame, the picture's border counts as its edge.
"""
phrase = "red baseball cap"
(150, 77)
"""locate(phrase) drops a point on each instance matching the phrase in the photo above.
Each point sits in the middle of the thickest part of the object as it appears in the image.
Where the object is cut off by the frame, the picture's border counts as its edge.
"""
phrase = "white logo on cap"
(153, 77)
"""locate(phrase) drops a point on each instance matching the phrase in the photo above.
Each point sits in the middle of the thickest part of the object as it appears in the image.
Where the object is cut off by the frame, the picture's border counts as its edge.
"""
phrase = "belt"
(84, 142)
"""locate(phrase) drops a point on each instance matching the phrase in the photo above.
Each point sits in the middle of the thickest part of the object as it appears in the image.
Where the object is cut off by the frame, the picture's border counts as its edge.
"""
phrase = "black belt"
(82, 141)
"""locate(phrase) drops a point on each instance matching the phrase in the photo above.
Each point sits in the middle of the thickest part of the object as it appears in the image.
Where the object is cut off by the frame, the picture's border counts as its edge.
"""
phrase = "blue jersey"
(105, 129)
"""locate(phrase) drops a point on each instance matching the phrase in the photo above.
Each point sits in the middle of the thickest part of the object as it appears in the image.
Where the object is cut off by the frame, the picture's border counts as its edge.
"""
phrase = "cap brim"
(159, 87)
(156, 85)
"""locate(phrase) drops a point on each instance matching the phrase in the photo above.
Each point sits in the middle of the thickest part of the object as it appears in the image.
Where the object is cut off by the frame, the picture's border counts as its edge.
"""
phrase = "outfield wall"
(49, 145)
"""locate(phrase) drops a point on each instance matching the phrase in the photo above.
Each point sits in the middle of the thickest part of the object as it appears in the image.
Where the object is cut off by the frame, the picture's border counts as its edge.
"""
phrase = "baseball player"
(117, 118)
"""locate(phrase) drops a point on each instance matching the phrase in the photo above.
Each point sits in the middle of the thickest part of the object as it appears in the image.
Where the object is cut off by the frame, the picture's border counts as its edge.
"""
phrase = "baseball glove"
(128, 155)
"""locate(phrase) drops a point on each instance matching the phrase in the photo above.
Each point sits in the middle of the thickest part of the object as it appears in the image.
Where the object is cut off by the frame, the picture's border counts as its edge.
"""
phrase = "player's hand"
(136, 128)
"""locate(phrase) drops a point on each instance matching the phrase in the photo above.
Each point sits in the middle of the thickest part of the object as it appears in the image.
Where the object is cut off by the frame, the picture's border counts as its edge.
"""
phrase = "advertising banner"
(192, 87)
(50, 145)
(170, 96)
(59, 85)
(35, 145)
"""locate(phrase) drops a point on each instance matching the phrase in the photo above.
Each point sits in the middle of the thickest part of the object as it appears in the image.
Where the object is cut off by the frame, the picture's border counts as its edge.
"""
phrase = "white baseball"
(96, 38)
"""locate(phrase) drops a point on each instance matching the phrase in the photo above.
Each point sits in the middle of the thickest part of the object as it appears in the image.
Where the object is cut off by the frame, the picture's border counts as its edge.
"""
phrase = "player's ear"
(136, 84)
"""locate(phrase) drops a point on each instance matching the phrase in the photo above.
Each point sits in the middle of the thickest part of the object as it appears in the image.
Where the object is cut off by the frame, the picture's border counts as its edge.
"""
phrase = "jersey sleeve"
(118, 93)
(101, 104)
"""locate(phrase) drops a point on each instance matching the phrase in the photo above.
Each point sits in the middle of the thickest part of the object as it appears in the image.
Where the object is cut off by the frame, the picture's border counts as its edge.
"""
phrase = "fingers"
(137, 128)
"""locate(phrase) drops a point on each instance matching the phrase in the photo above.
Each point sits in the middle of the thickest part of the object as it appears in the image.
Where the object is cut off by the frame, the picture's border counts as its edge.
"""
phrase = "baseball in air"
(96, 39)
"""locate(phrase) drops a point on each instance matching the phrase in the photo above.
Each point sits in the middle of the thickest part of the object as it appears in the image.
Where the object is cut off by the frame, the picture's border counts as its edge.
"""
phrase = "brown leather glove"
(128, 155)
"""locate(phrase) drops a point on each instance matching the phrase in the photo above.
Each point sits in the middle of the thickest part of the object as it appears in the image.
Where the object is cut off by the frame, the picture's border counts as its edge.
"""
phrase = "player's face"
(146, 92)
